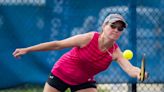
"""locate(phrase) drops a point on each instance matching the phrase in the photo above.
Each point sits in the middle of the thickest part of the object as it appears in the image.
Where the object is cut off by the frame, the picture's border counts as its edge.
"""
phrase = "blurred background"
(25, 23)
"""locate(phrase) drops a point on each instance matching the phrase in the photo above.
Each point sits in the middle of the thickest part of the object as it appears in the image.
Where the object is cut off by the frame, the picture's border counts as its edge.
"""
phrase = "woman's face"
(113, 30)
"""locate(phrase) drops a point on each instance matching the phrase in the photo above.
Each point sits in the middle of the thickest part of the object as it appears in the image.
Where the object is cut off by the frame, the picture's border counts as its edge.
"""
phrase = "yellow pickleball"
(128, 54)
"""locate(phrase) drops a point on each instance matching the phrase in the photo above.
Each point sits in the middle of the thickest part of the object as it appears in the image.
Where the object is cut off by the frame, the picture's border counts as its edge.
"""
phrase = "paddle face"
(142, 74)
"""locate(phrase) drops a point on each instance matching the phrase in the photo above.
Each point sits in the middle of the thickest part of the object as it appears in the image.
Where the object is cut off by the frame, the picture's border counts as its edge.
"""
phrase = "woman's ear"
(103, 26)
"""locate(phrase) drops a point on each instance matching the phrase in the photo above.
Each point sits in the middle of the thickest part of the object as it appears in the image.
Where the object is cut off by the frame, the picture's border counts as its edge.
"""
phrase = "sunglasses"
(120, 28)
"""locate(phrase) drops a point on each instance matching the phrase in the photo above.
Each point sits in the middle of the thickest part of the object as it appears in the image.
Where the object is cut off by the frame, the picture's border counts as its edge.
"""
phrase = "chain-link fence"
(144, 35)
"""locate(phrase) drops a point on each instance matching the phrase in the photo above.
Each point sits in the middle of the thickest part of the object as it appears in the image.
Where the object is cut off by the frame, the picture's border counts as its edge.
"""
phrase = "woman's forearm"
(43, 47)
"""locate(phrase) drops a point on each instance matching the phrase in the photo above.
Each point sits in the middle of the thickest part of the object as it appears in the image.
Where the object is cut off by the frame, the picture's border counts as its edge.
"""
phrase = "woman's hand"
(145, 77)
(19, 52)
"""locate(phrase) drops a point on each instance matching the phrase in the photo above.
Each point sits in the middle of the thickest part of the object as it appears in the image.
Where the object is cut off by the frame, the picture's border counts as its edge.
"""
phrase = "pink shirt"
(79, 65)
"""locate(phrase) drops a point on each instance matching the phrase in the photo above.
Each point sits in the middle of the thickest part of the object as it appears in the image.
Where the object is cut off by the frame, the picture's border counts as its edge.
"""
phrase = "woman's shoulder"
(88, 37)
(92, 34)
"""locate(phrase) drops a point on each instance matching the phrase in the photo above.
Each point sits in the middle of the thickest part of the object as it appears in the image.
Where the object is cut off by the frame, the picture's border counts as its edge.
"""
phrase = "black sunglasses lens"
(120, 29)
(113, 26)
